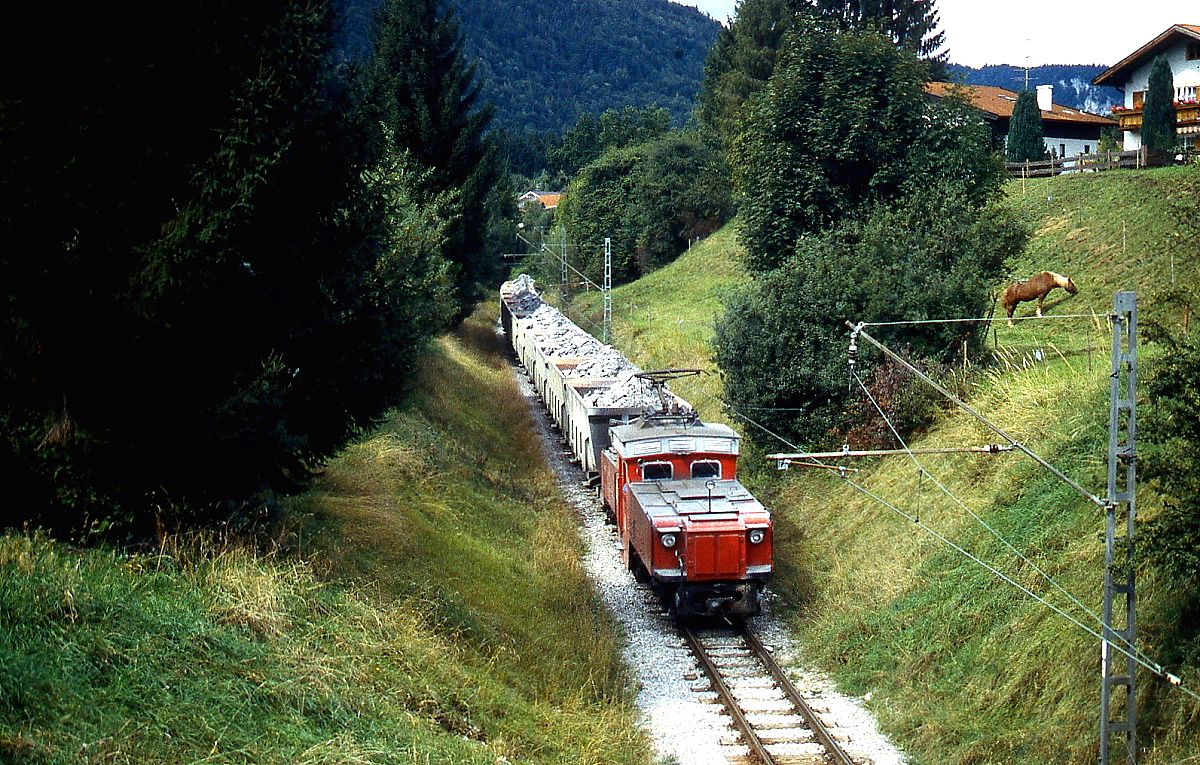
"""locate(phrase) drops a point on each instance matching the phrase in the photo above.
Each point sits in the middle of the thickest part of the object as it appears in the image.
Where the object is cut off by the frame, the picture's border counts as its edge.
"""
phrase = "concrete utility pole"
(1118, 693)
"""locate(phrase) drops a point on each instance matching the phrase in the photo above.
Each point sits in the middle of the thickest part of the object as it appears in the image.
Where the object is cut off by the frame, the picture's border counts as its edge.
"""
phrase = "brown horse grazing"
(1034, 288)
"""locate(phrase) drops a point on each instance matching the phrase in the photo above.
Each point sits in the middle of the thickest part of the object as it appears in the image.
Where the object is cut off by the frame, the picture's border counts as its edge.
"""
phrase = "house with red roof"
(1180, 44)
(548, 200)
(1068, 132)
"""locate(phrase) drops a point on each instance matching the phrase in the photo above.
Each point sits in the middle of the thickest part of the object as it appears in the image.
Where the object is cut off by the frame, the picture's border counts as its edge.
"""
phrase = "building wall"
(1071, 147)
(1186, 78)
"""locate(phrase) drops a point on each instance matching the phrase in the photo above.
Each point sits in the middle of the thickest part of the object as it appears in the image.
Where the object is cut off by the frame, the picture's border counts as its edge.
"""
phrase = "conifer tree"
(1026, 141)
(427, 103)
(209, 279)
(1158, 111)
(741, 61)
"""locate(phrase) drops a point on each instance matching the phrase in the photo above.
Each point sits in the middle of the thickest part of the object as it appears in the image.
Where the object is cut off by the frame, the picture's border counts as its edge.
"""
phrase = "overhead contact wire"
(1142, 660)
(979, 519)
(988, 423)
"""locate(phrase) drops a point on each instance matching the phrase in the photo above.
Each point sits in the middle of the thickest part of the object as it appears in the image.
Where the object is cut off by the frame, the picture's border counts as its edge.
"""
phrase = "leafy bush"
(844, 123)
(782, 343)
(650, 199)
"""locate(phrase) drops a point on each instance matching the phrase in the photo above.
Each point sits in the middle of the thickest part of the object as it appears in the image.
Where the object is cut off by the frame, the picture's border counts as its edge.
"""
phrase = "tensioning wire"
(1155, 668)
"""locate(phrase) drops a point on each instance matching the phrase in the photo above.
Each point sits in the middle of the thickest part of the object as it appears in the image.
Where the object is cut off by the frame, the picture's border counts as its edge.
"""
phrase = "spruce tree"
(1158, 112)
(741, 61)
(1026, 141)
(427, 103)
(209, 279)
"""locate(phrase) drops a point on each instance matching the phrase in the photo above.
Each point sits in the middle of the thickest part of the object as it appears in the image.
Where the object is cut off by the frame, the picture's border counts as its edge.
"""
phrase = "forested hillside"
(1072, 83)
(544, 64)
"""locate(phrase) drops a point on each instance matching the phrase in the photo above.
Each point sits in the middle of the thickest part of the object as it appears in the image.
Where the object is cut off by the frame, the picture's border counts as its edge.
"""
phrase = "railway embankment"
(431, 607)
(959, 664)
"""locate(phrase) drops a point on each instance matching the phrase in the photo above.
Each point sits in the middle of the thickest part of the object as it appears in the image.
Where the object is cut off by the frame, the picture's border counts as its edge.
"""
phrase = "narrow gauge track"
(776, 723)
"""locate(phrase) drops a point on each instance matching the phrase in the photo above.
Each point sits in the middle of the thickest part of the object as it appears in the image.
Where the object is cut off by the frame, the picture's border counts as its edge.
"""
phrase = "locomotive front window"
(656, 471)
(706, 469)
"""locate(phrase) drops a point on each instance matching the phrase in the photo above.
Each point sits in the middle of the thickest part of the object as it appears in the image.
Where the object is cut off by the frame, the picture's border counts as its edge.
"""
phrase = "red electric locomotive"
(668, 479)
(685, 520)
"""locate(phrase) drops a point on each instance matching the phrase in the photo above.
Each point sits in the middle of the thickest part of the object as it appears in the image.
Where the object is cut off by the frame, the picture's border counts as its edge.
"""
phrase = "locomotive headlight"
(668, 540)
(756, 536)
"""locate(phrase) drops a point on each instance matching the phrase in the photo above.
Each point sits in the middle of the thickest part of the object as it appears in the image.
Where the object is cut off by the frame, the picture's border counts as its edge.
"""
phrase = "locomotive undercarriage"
(740, 599)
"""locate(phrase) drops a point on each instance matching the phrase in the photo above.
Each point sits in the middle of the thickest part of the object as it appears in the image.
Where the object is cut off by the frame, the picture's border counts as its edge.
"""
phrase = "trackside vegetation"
(431, 608)
(223, 244)
(962, 667)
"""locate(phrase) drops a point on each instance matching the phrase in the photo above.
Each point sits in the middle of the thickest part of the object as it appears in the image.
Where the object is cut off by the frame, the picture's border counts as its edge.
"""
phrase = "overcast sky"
(1035, 32)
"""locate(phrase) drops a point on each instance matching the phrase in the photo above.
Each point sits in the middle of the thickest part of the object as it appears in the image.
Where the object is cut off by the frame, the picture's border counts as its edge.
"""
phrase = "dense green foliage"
(424, 96)
(1026, 140)
(544, 64)
(1158, 111)
(741, 61)
(650, 200)
(744, 56)
(844, 123)
(862, 201)
(590, 137)
(782, 343)
(213, 268)
(1170, 429)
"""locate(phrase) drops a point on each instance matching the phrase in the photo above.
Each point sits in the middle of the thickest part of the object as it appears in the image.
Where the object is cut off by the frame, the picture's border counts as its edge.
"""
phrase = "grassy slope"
(963, 667)
(440, 615)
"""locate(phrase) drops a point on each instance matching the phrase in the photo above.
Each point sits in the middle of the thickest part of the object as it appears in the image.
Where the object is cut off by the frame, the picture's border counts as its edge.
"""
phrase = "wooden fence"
(1089, 163)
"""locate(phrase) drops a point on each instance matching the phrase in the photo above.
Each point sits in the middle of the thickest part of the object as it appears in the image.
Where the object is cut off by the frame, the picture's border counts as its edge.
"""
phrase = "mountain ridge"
(1072, 83)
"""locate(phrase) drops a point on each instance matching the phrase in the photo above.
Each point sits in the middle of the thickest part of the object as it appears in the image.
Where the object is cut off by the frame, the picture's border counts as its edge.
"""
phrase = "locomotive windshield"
(706, 469)
(656, 471)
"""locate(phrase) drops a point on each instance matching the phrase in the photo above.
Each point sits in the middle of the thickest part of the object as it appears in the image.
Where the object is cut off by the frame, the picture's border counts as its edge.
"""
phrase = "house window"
(1062, 150)
(1193, 50)
(1087, 149)
(706, 469)
(656, 471)
(1139, 97)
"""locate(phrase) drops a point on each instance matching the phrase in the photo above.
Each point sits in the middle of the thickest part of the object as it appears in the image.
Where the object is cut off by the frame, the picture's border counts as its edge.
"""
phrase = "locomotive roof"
(690, 497)
(636, 431)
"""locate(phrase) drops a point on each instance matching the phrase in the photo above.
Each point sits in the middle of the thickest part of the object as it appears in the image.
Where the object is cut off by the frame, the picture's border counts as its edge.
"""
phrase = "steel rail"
(739, 718)
(834, 749)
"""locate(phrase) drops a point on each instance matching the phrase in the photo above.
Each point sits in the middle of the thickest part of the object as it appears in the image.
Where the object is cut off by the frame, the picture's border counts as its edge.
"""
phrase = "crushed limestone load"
(558, 337)
(608, 363)
(523, 294)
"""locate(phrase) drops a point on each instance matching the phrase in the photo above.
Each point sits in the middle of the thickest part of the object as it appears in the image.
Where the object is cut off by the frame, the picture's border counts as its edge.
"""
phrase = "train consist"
(667, 479)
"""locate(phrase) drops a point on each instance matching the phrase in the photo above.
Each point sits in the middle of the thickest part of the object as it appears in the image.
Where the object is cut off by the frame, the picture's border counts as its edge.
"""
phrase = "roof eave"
(1116, 70)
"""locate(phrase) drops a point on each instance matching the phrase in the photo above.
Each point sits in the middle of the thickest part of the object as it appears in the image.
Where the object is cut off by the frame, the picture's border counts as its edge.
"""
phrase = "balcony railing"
(1131, 119)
